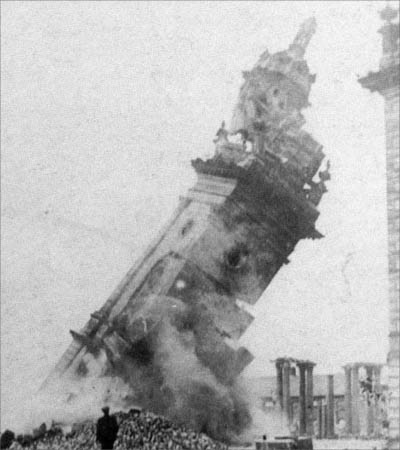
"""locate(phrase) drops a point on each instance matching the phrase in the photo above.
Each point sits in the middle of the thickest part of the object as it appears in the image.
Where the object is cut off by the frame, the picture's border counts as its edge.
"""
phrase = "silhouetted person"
(7, 439)
(107, 430)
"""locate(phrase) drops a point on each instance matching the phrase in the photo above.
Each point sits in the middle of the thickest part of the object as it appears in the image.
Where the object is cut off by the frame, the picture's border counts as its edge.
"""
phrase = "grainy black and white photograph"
(199, 225)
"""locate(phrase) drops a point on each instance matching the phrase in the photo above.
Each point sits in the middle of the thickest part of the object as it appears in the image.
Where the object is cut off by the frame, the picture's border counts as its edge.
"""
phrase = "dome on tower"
(278, 86)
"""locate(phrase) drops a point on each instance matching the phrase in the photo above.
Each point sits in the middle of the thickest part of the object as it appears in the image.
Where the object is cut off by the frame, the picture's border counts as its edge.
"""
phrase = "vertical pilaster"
(393, 199)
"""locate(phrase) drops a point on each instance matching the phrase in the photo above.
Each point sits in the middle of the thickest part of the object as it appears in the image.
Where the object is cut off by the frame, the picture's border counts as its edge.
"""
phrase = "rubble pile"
(137, 430)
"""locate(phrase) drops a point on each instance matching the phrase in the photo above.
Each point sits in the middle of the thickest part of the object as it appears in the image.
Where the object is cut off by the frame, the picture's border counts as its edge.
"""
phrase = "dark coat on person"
(7, 439)
(107, 430)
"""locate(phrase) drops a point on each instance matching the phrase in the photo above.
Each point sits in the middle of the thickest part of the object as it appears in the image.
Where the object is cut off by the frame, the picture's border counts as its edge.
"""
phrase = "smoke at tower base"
(161, 373)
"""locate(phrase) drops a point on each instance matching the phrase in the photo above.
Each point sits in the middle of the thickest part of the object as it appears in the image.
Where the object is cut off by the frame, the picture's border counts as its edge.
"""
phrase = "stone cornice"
(261, 176)
(386, 78)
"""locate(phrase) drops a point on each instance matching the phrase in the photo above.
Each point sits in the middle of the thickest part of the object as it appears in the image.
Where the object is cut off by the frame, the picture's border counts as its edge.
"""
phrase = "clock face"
(237, 257)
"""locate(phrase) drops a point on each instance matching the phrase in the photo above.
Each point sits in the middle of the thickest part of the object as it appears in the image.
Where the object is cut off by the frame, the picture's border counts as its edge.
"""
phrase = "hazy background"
(103, 106)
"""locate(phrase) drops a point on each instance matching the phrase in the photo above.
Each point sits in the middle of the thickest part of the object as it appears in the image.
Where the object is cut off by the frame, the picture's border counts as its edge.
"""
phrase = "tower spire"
(390, 37)
(275, 92)
(303, 38)
(388, 13)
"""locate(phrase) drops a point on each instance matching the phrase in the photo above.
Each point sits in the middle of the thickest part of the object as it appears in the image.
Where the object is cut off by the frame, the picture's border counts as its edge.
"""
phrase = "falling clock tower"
(254, 200)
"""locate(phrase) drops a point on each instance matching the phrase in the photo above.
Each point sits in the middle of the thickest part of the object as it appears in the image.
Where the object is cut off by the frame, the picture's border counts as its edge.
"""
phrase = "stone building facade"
(386, 82)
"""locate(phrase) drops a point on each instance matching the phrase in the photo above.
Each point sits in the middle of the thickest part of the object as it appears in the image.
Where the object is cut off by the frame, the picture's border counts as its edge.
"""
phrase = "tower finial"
(303, 37)
(390, 37)
(388, 13)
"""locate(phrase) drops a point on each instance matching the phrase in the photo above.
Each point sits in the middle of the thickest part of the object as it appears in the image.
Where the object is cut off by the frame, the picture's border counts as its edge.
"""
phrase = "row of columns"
(352, 397)
(306, 395)
(325, 408)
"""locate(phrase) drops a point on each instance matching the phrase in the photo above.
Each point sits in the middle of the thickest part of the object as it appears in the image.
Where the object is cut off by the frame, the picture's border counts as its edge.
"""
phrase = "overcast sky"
(104, 104)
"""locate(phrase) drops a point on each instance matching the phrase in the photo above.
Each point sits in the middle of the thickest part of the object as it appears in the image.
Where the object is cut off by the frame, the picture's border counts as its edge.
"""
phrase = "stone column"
(310, 399)
(370, 404)
(279, 381)
(347, 399)
(302, 400)
(355, 394)
(330, 402)
(286, 390)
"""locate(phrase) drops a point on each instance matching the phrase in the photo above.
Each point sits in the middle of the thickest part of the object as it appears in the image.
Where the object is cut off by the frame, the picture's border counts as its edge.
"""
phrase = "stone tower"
(172, 326)
(386, 82)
